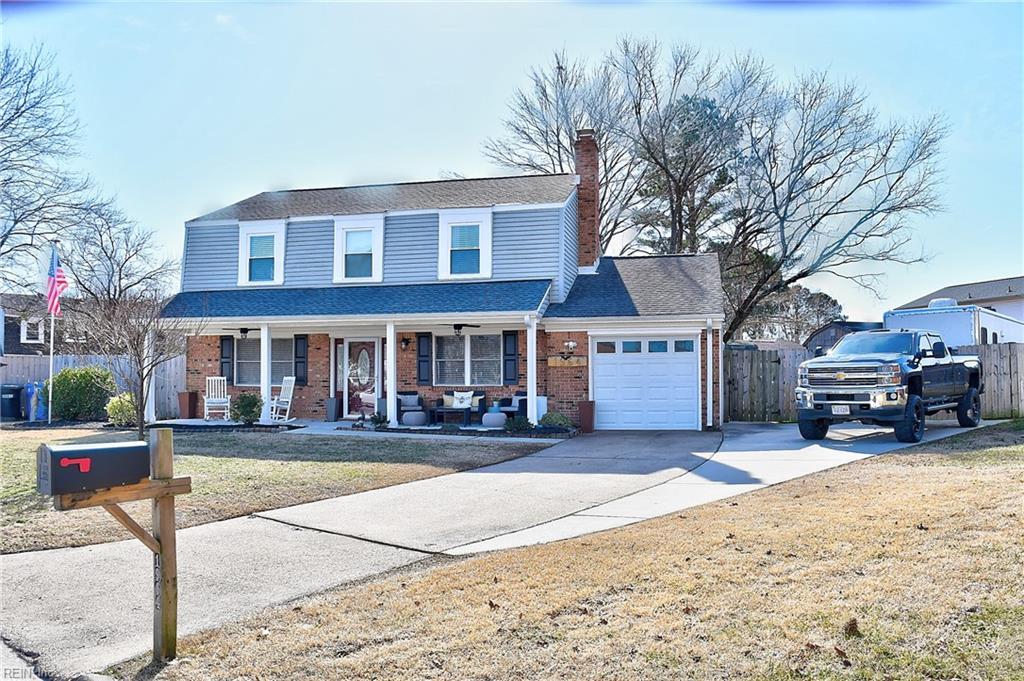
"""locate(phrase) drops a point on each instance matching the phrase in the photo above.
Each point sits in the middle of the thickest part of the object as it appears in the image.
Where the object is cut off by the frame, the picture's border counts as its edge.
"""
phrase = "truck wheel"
(911, 428)
(813, 430)
(968, 412)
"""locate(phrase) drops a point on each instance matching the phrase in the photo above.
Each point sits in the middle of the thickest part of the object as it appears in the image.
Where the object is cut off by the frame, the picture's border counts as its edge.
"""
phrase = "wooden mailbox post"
(83, 476)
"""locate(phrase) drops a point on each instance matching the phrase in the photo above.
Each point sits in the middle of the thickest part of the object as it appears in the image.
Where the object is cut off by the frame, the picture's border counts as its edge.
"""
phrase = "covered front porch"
(349, 369)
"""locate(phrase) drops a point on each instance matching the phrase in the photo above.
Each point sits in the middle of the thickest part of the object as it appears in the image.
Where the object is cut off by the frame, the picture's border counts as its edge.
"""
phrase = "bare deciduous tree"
(40, 197)
(684, 112)
(782, 181)
(120, 280)
(565, 96)
(827, 188)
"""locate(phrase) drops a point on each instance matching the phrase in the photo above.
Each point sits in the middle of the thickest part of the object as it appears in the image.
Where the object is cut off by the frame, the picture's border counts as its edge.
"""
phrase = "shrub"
(246, 408)
(556, 420)
(379, 421)
(518, 424)
(121, 410)
(81, 393)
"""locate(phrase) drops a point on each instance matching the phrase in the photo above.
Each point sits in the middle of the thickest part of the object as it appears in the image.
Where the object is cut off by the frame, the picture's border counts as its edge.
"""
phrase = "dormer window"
(261, 253)
(261, 258)
(465, 249)
(464, 244)
(359, 249)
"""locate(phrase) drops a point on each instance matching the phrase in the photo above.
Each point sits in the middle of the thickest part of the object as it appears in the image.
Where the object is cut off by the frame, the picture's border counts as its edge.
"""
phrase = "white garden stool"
(414, 418)
(492, 420)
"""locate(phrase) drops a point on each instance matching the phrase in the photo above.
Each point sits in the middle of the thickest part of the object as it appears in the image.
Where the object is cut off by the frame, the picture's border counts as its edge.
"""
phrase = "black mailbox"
(77, 468)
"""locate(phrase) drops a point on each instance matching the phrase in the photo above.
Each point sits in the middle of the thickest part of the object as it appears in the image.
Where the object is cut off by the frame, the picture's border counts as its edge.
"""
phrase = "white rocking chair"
(281, 406)
(217, 398)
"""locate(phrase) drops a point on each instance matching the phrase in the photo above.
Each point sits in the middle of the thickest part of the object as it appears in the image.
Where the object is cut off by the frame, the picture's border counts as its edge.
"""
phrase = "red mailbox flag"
(84, 463)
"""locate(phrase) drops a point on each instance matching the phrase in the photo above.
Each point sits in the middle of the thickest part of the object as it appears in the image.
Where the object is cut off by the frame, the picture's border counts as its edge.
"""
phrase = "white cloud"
(228, 23)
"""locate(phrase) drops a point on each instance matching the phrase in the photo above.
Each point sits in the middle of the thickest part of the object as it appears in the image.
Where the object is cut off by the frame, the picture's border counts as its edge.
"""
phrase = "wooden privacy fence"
(1003, 376)
(760, 384)
(168, 380)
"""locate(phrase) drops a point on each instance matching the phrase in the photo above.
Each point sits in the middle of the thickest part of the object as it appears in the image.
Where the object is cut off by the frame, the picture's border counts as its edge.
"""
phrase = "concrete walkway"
(83, 609)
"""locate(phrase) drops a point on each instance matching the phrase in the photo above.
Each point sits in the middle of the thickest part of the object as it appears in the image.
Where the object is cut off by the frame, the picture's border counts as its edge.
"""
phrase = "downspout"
(710, 390)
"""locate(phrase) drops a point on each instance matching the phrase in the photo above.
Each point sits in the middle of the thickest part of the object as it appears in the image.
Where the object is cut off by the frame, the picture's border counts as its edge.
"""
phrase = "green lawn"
(233, 474)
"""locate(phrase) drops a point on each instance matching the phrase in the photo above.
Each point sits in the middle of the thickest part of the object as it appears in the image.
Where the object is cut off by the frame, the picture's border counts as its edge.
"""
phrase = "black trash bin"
(10, 401)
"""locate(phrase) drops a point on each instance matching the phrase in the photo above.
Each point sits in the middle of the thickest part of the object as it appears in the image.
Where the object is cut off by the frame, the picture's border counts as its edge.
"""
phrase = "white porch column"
(531, 368)
(265, 371)
(391, 371)
(150, 411)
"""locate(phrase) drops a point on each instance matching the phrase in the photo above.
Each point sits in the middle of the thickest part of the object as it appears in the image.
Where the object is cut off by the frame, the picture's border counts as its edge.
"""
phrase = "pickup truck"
(890, 377)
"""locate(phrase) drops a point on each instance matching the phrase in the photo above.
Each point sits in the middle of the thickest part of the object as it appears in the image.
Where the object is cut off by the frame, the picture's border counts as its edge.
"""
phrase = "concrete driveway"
(83, 609)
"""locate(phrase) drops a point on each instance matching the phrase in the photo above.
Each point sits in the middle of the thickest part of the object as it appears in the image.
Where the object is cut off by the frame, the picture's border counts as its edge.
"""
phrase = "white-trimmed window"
(247, 360)
(470, 360)
(359, 248)
(32, 331)
(464, 244)
(261, 253)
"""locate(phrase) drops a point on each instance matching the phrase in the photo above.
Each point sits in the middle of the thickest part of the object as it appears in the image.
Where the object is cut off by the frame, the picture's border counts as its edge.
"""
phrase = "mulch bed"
(538, 434)
(226, 428)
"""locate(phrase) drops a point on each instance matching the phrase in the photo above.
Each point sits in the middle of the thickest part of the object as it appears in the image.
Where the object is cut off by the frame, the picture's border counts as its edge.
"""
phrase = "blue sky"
(189, 107)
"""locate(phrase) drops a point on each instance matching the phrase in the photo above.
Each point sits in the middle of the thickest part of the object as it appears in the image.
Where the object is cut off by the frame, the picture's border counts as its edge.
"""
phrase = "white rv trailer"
(958, 324)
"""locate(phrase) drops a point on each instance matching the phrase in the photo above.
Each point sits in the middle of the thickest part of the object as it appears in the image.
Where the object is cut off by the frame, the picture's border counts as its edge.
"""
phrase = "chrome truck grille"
(843, 377)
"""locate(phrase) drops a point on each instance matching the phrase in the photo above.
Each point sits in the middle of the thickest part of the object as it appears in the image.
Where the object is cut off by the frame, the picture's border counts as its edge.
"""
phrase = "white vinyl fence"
(168, 381)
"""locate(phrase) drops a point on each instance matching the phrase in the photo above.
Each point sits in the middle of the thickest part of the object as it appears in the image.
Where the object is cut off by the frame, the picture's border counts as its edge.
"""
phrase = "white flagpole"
(49, 397)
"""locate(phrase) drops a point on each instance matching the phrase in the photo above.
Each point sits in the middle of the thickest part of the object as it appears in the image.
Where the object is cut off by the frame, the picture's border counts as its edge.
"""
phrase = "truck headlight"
(802, 380)
(890, 374)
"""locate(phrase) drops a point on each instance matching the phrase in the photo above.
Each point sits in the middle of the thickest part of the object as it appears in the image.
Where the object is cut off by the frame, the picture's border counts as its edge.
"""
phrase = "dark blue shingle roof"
(491, 296)
(646, 286)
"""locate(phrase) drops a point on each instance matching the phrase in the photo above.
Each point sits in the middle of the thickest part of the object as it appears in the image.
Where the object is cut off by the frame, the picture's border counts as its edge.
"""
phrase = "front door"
(360, 377)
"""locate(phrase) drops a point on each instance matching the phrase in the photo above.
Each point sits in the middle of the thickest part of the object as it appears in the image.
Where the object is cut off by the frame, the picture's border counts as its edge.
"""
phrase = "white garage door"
(647, 382)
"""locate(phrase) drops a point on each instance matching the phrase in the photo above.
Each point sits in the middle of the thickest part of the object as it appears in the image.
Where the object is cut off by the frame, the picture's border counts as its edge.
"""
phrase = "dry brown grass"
(233, 474)
(923, 548)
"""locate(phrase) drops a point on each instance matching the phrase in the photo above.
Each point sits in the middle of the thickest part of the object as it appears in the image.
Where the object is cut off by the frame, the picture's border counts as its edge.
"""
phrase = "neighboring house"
(1005, 296)
(827, 335)
(26, 326)
(491, 284)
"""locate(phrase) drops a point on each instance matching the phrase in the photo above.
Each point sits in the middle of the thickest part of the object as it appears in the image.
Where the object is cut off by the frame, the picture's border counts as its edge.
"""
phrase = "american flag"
(56, 284)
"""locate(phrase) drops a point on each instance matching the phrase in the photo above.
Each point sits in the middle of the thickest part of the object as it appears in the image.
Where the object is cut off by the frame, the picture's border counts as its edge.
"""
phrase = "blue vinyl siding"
(211, 258)
(570, 250)
(410, 248)
(525, 244)
(309, 254)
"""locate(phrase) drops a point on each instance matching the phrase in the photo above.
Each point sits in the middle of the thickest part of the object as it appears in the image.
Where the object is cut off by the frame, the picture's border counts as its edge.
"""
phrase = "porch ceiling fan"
(459, 327)
(242, 331)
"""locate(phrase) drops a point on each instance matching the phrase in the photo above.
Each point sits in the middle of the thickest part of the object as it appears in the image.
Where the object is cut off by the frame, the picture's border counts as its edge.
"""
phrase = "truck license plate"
(841, 409)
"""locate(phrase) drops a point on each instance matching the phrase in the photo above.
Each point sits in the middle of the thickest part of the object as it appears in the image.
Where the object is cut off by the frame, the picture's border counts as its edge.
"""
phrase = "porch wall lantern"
(405, 343)
(568, 349)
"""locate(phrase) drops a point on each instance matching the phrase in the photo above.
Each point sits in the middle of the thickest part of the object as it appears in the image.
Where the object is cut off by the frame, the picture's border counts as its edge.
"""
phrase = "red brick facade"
(715, 358)
(407, 373)
(588, 196)
(203, 359)
(564, 386)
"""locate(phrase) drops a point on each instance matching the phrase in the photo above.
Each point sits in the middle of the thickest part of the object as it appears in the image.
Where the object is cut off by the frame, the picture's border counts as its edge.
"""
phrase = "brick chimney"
(588, 194)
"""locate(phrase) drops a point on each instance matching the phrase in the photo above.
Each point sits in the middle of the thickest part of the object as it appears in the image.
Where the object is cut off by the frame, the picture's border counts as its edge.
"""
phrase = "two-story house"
(491, 284)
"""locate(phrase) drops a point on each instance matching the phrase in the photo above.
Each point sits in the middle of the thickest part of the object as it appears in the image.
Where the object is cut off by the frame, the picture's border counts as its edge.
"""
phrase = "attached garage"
(646, 382)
